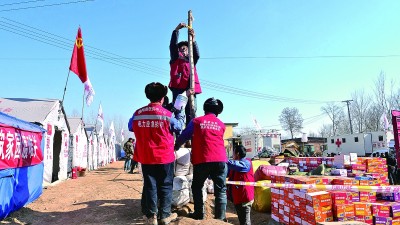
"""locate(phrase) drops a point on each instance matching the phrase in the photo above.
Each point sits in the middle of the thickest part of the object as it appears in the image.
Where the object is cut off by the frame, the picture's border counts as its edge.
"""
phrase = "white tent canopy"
(50, 114)
(79, 143)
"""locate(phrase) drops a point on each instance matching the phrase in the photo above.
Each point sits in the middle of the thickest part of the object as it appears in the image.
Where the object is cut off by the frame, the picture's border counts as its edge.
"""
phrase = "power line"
(65, 44)
(19, 3)
(233, 57)
(48, 5)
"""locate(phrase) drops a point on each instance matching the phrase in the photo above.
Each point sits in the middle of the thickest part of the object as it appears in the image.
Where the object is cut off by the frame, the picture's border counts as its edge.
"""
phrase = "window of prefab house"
(380, 138)
(332, 141)
(343, 140)
(355, 139)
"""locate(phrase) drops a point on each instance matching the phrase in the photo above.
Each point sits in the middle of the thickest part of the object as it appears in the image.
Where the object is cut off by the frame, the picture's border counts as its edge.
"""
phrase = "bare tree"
(335, 113)
(247, 130)
(75, 113)
(91, 117)
(373, 118)
(325, 130)
(380, 94)
(359, 109)
(291, 120)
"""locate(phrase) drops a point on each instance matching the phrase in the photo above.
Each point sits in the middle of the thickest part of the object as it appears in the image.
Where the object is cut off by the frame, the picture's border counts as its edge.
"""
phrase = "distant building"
(228, 132)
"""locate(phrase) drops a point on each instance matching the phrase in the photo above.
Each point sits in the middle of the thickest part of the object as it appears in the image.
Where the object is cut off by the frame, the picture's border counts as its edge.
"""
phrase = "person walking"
(241, 169)
(208, 157)
(180, 67)
(154, 126)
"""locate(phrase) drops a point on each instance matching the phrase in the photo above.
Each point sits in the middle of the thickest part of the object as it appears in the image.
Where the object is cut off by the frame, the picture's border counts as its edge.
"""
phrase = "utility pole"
(348, 110)
(192, 85)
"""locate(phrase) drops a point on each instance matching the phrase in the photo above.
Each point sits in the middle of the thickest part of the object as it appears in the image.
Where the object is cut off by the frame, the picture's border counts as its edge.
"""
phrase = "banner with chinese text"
(19, 148)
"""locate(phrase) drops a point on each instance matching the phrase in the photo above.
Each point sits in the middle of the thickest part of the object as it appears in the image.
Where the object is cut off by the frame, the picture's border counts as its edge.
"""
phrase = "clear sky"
(251, 52)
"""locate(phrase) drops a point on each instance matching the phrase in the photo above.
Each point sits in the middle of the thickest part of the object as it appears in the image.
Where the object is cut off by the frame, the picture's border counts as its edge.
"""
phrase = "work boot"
(150, 221)
(169, 219)
(196, 216)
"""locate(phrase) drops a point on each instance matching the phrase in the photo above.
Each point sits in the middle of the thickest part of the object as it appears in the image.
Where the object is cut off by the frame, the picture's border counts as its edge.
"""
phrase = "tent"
(93, 147)
(21, 163)
(79, 143)
(50, 114)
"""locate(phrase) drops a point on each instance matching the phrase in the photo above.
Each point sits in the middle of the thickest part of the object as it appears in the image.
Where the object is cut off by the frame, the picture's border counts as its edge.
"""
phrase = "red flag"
(78, 66)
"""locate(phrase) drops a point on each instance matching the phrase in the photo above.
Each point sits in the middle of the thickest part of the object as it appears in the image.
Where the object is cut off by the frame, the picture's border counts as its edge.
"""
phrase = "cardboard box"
(339, 172)
(386, 209)
(344, 211)
(341, 197)
(342, 223)
(366, 196)
(355, 196)
(365, 219)
(319, 214)
(393, 197)
(321, 198)
(383, 220)
(362, 209)
(380, 210)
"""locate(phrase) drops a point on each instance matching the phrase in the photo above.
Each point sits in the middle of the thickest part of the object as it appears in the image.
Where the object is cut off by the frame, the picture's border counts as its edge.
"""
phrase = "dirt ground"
(106, 196)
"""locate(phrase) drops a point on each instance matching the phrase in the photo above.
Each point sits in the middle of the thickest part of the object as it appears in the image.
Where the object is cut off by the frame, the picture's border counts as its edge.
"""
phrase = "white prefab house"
(79, 143)
(49, 114)
(364, 144)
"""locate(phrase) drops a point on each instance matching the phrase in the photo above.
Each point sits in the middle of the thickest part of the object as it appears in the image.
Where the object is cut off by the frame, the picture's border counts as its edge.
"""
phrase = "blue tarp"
(19, 186)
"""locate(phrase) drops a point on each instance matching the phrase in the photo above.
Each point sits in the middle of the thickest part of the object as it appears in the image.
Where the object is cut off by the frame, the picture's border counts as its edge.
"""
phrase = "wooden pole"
(191, 61)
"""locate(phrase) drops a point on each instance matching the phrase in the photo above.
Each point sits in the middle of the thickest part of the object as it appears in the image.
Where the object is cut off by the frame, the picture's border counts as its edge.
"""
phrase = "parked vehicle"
(364, 144)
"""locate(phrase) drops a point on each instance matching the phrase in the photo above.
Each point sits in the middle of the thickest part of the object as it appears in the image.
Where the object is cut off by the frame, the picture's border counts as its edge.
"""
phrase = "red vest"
(208, 140)
(154, 141)
(180, 73)
(242, 193)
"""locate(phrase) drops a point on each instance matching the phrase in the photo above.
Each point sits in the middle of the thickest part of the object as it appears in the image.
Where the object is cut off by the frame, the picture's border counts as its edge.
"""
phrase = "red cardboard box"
(341, 197)
(320, 199)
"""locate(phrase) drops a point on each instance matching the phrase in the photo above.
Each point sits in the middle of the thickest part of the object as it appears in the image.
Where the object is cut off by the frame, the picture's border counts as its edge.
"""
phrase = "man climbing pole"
(181, 69)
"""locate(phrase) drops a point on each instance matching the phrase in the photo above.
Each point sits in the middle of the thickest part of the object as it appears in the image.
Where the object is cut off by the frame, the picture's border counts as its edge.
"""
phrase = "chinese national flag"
(78, 66)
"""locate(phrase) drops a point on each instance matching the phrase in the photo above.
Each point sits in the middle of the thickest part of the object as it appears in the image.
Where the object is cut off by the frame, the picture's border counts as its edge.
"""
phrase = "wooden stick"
(191, 61)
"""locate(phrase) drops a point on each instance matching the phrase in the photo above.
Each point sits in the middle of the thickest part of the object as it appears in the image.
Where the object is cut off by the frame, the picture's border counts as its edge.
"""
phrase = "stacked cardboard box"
(387, 213)
(311, 206)
(307, 164)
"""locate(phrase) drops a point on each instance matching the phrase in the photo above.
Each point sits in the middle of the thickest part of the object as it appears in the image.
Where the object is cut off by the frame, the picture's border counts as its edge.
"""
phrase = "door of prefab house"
(57, 143)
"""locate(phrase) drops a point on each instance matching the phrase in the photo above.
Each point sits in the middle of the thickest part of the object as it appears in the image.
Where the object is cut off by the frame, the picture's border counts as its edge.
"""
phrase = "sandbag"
(182, 162)
(180, 191)
(204, 189)
(264, 172)
(210, 186)
(262, 199)
(258, 163)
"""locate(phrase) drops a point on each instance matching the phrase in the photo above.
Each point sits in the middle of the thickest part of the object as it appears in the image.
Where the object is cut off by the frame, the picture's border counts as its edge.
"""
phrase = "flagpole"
(65, 88)
(83, 102)
(95, 124)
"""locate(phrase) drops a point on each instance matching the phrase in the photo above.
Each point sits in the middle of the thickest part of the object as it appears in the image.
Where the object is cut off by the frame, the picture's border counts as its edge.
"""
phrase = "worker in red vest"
(154, 127)
(208, 157)
(242, 196)
(180, 67)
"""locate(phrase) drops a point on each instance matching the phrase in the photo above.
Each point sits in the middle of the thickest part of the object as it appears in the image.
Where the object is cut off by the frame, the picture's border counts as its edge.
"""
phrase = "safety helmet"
(213, 105)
